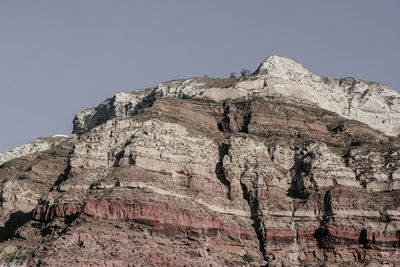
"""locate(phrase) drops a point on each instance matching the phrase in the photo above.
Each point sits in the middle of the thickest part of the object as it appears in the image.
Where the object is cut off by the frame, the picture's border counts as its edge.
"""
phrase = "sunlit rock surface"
(37, 145)
(207, 172)
(369, 102)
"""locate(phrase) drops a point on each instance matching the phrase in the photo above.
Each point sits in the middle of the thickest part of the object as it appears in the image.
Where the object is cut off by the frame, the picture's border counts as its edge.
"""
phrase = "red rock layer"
(193, 182)
(157, 214)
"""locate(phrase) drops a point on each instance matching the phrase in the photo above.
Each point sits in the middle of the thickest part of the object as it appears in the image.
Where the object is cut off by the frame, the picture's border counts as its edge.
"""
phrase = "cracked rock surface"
(37, 145)
(203, 173)
(372, 103)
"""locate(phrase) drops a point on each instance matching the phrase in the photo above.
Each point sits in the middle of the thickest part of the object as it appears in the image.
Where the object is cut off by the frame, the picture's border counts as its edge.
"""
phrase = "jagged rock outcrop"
(37, 145)
(128, 104)
(369, 102)
(199, 176)
(24, 180)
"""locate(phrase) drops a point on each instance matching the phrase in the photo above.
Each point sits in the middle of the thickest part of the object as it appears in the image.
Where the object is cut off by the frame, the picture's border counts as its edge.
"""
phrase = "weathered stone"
(189, 176)
(37, 145)
(369, 102)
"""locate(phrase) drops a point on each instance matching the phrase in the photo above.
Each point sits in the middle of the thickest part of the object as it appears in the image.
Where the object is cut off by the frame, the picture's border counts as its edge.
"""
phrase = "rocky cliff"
(37, 145)
(267, 170)
(368, 102)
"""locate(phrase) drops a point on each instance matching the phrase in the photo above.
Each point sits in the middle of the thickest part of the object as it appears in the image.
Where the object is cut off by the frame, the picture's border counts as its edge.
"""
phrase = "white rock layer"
(369, 102)
(40, 144)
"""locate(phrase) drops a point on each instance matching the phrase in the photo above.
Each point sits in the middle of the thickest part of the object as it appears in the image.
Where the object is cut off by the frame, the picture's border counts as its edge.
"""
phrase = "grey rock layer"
(368, 102)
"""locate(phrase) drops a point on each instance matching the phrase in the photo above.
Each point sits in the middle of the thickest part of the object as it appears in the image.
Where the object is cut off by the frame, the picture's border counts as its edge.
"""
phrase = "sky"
(60, 57)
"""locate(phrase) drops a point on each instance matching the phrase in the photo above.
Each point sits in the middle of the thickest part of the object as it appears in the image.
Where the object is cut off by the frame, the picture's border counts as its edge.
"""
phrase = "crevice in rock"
(118, 158)
(224, 125)
(251, 196)
(261, 232)
(243, 117)
(65, 175)
(303, 179)
(236, 117)
(328, 211)
(363, 239)
(223, 150)
(322, 233)
(246, 122)
(258, 224)
(131, 159)
(62, 177)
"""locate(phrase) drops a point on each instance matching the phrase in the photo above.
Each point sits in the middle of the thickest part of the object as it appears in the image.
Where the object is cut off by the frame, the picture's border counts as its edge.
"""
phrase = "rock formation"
(37, 145)
(267, 170)
(368, 102)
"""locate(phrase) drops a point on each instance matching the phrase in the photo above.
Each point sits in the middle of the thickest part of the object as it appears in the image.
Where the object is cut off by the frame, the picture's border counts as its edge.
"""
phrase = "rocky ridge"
(369, 102)
(37, 145)
(208, 172)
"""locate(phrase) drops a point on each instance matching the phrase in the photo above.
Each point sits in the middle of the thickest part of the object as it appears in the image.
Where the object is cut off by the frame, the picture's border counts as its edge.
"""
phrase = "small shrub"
(248, 257)
(245, 72)
(233, 75)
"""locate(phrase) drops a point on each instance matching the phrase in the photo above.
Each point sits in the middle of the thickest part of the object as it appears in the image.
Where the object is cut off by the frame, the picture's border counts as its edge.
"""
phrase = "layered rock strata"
(206, 180)
(38, 145)
(372, 103)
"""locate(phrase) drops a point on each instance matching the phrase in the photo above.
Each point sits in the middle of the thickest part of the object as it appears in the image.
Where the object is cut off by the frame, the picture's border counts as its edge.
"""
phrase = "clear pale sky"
(59, 57)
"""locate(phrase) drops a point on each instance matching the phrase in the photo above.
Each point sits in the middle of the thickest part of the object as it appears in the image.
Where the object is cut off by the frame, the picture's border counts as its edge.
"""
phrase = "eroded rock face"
(369, 102)
(196, 175)
(37, 145)
(24, 180)
(125, 105)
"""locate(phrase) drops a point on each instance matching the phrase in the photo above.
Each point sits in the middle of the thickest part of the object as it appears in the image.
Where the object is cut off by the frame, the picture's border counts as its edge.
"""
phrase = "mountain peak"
(371, 103)
(213, 172)
(277, 66)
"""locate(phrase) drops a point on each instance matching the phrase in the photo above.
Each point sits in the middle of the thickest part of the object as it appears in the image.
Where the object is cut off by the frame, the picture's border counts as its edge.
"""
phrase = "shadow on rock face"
(17, 219)
(303, 183)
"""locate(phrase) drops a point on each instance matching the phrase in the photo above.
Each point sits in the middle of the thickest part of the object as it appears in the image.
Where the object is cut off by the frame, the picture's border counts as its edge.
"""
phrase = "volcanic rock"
(214, 172)
(37, 145)
(372, 103)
